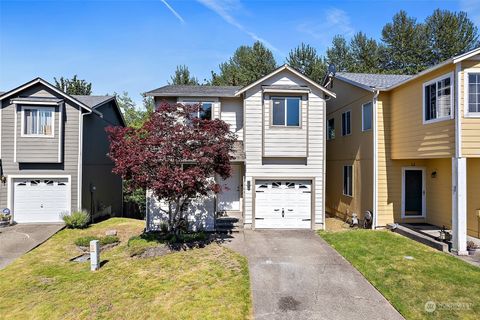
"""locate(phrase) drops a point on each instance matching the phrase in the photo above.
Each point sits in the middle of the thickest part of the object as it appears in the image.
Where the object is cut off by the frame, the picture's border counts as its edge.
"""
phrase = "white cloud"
(334, 21)
(472, 8)
(175, 13)
(224, 9)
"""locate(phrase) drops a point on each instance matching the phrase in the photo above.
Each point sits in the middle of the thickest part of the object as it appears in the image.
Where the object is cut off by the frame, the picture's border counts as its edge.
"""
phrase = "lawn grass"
(452, 284)
(207, 283)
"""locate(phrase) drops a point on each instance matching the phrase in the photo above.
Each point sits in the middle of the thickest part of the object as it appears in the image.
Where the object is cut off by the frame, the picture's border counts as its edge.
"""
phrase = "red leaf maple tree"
(175, 154)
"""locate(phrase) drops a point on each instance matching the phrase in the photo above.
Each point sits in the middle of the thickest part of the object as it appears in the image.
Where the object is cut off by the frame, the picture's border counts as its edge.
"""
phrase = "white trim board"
(424, 192)
(466, 112)
(452, 90)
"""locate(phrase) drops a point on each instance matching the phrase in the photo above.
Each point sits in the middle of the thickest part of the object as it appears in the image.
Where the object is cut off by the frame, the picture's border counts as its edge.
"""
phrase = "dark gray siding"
(97, 167)
(69, 161)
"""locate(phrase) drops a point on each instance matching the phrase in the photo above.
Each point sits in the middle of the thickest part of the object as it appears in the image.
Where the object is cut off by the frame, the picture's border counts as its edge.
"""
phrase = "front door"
(229, 197)
(413, 192)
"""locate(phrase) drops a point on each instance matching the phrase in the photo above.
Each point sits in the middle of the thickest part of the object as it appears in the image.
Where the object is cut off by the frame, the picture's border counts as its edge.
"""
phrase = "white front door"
(229, 197)
(40, 200)
(283, 204)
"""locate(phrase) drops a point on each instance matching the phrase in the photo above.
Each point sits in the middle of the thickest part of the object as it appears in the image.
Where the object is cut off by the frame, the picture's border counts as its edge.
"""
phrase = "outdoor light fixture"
(434, 174)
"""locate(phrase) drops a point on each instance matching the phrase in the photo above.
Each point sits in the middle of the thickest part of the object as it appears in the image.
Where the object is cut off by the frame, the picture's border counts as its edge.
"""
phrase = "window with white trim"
(38, 121)
(348, 180)
(331, 129)
(438, 97)
(205, 110)
(367, 116)
(474, 92)
(346, 123)
(286, 111)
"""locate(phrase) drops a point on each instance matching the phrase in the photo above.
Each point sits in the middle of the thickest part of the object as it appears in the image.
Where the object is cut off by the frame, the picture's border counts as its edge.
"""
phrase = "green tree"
(247, 65)
(406, 45)
(340, 54)
(182, 76)
(74, 86)
(449, 34)
(134, 116)
(306, 60)
(366, 54)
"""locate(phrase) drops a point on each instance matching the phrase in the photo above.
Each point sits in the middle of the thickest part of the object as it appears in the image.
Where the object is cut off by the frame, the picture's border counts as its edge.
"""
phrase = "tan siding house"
(424, 146)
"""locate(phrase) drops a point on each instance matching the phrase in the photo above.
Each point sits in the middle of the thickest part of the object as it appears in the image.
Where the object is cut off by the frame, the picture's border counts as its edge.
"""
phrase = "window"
(438, 99)
(38, 121)
(473, 92)
(205, 111)
(367, 116)
(348, 180)
(286, 111)
(346, 123)
(331, 129)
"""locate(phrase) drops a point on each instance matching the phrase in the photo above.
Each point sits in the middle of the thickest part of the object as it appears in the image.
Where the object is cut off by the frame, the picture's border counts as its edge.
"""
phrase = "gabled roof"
(194, 91)
(53, 88)
(370, 81)
(93, 101)
(290, 69)
(363, 80)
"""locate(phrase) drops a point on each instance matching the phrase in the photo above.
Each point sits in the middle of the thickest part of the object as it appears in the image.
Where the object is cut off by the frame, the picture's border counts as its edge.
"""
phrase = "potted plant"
(472, 248)
(4, 220)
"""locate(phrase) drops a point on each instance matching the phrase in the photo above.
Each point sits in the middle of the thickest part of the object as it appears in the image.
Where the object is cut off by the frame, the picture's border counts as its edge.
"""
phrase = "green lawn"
(208, 283)
(452, 284)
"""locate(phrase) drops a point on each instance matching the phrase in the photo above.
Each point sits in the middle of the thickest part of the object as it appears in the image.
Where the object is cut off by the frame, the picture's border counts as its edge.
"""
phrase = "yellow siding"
(470, 126)
(355, 149)
(473, 196)
(411, 139)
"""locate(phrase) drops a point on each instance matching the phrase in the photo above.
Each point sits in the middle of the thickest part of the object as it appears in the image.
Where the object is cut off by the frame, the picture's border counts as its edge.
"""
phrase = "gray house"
(53, 153)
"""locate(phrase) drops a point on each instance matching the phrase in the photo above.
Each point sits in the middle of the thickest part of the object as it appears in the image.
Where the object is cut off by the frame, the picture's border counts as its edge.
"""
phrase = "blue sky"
(134, 46)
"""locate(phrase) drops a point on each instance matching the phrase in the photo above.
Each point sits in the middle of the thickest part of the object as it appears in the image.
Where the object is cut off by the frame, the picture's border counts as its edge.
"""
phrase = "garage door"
(283, 204)
(40, 200)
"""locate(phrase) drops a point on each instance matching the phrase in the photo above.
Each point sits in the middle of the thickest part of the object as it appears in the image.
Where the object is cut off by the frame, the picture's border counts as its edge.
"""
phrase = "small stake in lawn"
(94, 255)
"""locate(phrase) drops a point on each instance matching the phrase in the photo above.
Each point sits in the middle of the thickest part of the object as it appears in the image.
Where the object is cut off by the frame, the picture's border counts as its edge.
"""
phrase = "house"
(407, 148)
(53, 151)
(278, 174)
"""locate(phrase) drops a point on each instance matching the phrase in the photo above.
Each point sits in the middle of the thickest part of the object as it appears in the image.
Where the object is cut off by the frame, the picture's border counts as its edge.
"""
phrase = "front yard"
(419, 282)
(207, 283)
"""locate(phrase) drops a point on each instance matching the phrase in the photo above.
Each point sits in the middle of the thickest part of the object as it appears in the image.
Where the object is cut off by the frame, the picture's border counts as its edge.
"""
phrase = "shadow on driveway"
(19, 239)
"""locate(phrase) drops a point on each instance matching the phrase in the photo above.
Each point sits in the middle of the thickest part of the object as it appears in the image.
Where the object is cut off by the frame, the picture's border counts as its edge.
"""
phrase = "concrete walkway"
(17, 240)
(297, 275)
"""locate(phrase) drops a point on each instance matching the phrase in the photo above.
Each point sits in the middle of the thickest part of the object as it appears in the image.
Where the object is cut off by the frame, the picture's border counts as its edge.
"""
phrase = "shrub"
(77, 219)
(85, 241)
(109, 240)
(4, 217)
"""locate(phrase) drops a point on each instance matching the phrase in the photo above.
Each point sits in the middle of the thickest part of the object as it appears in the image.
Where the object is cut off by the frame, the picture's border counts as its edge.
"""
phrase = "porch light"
(434, 174)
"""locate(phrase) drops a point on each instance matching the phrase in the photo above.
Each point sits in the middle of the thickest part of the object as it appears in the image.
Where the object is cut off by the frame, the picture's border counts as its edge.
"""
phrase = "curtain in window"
(45, 122)
(30, 121)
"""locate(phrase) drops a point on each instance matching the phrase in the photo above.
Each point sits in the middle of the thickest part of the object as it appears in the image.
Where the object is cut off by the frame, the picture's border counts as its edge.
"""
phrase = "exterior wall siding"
(470, 132)
(69, 165)
(231, 111)
(473, 200)
(258, 167)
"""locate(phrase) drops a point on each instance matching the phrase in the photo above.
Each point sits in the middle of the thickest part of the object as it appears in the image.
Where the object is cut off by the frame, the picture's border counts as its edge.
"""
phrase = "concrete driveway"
(19, 239)
(296, 275)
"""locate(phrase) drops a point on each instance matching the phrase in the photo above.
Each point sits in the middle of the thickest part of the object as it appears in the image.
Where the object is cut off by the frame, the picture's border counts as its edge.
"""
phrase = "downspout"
(375, 160)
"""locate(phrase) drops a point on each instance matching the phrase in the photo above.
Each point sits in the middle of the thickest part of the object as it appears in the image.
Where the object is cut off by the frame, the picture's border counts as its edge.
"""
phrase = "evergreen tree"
(449, 34)
(74, 86)
(247, 65)
(182, 77)
(365, 54)
(340, 54)
(305, 59)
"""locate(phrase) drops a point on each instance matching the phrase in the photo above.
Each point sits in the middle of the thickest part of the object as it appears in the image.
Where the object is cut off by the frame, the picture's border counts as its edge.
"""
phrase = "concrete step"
(232, 222)
(417, 236)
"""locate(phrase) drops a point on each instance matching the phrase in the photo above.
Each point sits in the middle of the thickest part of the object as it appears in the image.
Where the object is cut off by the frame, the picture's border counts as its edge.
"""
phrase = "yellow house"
(407, 148)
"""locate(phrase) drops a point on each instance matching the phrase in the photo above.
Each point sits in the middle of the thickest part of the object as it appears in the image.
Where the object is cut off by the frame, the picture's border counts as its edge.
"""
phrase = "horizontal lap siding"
(231, 111)
(470, 126)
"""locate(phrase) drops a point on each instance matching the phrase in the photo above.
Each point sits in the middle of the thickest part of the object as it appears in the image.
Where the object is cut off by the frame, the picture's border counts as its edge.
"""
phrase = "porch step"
(417, 236)
(229, 223)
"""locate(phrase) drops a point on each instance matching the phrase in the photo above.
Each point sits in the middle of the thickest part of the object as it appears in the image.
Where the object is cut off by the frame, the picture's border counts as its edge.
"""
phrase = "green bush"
(85, 241)
(77, 219)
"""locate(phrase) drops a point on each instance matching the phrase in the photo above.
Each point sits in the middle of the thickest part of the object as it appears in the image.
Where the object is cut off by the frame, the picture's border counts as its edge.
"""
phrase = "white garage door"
(283, 204)
(40, 200)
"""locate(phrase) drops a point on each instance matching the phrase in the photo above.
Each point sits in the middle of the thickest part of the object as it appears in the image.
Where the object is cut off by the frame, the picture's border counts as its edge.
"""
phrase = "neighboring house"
(278, 175)
(407, 148)
(53, 151)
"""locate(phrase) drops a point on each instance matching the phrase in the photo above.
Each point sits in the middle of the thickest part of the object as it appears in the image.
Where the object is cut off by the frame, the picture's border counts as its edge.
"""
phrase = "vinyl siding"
(470, 125)
(355, 149)
(69, 165)
(473, 198)
(411, 139)
(231, 111)
(257, 167)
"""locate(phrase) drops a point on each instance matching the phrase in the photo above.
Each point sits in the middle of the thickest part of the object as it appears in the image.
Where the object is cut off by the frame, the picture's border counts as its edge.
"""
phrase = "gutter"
(375, 160)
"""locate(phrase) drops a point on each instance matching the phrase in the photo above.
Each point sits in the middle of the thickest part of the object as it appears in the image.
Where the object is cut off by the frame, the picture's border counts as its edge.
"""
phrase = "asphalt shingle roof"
(91, 101)
(378, 81)
(194, 91)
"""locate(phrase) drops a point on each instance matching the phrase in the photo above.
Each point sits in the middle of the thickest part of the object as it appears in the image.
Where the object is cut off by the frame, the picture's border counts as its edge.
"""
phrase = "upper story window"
(286, 111)
(38, 121)
(346, 123)
(367, 116)
(474, 93)
(331, 129)
(438, 99)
